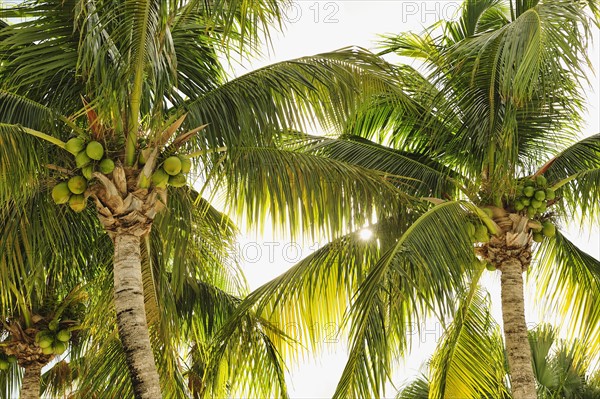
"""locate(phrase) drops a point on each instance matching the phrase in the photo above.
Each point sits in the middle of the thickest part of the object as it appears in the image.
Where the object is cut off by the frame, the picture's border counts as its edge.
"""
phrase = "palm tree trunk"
(30, 388)
(515, 331)
(131, 317)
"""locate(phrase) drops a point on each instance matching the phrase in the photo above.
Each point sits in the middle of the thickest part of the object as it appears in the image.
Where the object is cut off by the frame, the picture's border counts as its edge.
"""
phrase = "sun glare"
(365, 234)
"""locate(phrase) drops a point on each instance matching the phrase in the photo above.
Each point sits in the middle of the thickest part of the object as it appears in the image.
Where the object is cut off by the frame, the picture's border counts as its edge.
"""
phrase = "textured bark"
(131, 317)
(515, 331)
(30, 388)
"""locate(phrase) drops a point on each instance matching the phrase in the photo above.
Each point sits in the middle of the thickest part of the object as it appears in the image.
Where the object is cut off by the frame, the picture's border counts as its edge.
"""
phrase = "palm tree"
(488, 139)
(52, 277)
(128, 94)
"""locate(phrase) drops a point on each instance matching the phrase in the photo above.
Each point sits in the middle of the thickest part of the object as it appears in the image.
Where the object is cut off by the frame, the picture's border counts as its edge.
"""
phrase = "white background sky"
(321, 26)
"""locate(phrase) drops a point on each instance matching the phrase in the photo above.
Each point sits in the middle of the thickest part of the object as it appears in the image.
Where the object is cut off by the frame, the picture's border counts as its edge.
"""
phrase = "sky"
(320, 26)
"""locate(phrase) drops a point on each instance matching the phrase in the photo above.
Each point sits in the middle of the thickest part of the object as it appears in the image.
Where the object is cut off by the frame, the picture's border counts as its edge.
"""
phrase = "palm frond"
(415, 173)
(417, 276)
(255, 107)
(307, 193)
(576, 169)
(567, 284)
(469, 361)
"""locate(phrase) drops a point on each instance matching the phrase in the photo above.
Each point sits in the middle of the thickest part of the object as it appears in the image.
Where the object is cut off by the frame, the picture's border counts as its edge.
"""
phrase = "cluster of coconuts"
(6, 360)
(172, 172)
(547, 229)
(533, 196)
(88, 157)
(53, 340)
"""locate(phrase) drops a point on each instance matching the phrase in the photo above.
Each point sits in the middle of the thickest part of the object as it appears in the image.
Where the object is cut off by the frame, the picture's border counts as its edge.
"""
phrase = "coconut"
(186, 164)
(536, 204)
(45, 342)
(177, 180)
(75, 145)
(87, 171)
(82, 159)
(519, 206)
(548, 229)
(4, 365)
(63, 335)
(538, 237)
(481, 233)
(94, 150)
(526, 201)
(160, 178)
(53, 325)
(550, 194)
(543, 207)
(470, 228)
(77, 184)
(528, 183)
(77, 202)
(12, 359)
(541, 181)
(106, 166)
(529, 191)
(48, 350)
(531, 211)
(61, 193)
(490, 267)
(172, 165)
(59, 348)
(540, 195)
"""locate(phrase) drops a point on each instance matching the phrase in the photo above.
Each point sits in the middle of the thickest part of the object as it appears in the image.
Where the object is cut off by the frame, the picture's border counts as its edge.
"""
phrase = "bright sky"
(320, 26)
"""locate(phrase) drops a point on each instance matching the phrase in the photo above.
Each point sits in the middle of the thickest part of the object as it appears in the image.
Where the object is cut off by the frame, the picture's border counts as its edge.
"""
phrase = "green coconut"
(87, 171)
(529, 191)
(519, 206)
(186, 164)
(61, 193)
(526, 201)
(528, 183)
(49, 350)
(63, 335)
(59, 348)
(536, 204)
(82, 159)
(75, 145)
(543, 207)
(160, 178)
(77, 184)
(538, 237)
(94, 150)
(541, 181)
(45, 342)
(4, 365)
(548, 229)
(106, 166)
(172, 165)
(540, 195)
(177, 180)
(481, 233)
(531, 211)
(12, 359)
(490, 267)
(77, 202)
(550, 194)
(53, 325)
(470, 228)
